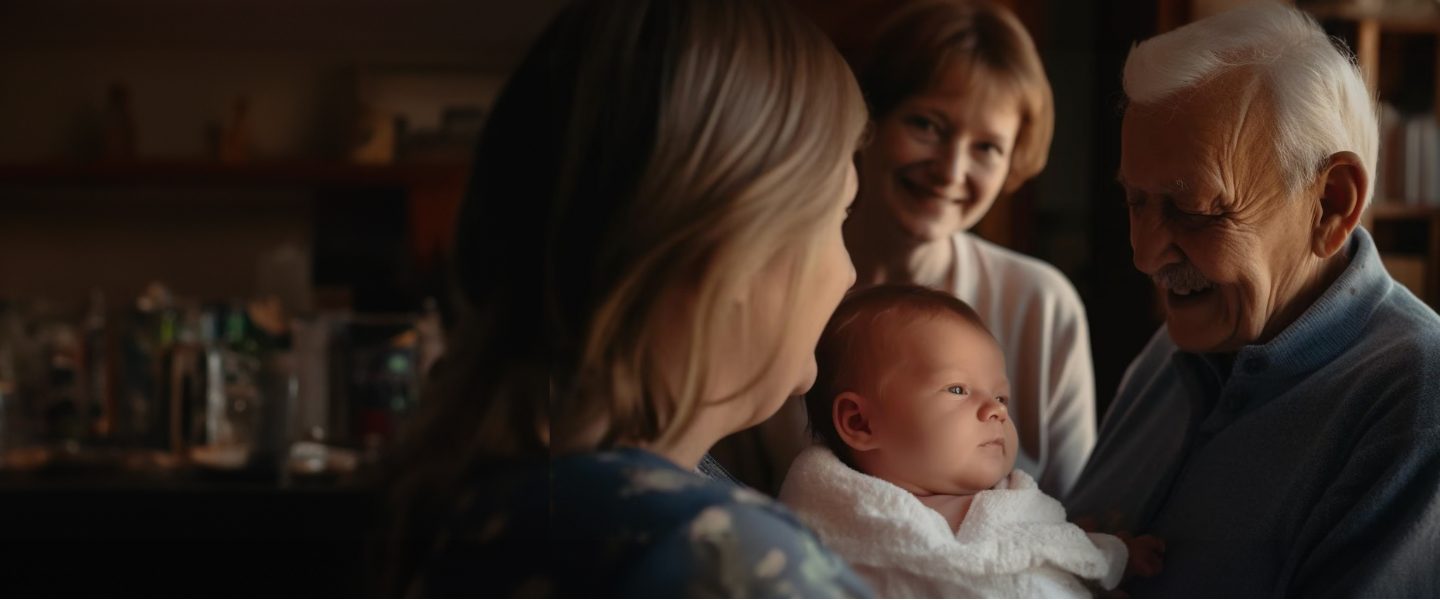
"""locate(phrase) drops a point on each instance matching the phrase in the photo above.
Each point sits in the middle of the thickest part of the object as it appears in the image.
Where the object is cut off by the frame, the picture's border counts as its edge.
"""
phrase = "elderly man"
(1281, 432)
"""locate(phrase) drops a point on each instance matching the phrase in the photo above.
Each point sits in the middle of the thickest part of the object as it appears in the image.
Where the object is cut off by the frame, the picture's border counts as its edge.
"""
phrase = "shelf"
(301, 173)
(1421, 19)
(1396, 211)
(382, 229)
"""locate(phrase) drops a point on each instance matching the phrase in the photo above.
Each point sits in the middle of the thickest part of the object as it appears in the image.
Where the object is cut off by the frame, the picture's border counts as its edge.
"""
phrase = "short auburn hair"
(860, 324)
(913, 48)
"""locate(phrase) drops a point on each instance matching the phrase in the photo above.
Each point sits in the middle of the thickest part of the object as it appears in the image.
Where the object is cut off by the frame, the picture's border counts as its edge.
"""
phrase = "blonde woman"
(650, 248)
(963, 115)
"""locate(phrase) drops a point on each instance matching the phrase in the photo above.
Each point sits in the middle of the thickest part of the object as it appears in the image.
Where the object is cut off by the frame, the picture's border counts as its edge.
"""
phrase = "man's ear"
(853, 415)
(1343, 186)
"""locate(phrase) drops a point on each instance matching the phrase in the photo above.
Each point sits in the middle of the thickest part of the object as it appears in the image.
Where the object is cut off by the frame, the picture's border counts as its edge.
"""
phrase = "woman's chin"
(932, 231)
(930, 227)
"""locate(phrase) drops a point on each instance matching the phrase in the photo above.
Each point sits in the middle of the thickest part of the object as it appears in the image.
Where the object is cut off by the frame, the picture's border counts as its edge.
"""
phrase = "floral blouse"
(627, 522)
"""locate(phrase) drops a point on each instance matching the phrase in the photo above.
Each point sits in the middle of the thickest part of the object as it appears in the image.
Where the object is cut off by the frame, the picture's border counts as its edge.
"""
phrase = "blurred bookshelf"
(1397, 45)
(1409, 238)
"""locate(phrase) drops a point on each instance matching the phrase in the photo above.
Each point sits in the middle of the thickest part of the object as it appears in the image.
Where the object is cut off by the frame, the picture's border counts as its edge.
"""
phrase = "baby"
(914, 483)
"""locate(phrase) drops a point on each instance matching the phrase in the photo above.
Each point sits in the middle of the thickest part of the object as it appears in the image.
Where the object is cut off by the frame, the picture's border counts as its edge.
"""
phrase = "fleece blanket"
(1014, 542)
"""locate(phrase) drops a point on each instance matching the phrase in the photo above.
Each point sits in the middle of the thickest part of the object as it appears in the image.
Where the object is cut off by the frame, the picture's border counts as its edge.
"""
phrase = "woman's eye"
(991, 149)
(958, 390)
(921, 123)
(924, 127)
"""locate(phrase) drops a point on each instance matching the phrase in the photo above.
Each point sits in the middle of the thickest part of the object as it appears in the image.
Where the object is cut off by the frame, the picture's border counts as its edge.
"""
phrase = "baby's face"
(942, 421)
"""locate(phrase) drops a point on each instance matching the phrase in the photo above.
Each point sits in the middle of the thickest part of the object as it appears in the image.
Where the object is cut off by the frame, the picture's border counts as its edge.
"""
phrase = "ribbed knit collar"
(1329, 326)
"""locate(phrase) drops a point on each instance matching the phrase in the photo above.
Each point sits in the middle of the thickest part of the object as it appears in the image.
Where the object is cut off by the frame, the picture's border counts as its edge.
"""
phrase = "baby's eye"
(1003, 400)
(958, 390)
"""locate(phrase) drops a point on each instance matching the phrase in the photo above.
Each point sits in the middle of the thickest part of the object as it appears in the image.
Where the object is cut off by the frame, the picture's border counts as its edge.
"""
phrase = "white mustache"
(1183, 276)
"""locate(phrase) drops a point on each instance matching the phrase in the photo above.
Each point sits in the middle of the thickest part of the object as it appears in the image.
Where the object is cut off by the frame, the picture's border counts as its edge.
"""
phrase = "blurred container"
(230, 387)
(381, 355)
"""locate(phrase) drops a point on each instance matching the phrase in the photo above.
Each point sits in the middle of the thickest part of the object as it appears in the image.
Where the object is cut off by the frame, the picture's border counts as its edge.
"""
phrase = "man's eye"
(958, 390)
(1189, 218)
(1194, 219)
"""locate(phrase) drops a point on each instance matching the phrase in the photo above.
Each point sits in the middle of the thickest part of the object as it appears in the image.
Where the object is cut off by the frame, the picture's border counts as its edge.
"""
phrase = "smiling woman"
(962, 115)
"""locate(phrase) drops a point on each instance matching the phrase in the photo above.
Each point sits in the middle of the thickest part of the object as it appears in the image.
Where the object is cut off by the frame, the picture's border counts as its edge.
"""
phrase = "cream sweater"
(1037, 317)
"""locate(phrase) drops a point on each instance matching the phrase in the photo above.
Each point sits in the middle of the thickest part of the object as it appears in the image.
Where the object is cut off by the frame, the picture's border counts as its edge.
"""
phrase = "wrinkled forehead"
(1198, 136)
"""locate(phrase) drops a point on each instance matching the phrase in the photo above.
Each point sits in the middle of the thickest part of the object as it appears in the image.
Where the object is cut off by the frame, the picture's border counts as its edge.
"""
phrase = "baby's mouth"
(997, 442)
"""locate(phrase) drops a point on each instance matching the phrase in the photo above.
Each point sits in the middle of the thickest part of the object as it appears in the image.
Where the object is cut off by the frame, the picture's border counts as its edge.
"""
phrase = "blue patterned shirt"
(630, 523)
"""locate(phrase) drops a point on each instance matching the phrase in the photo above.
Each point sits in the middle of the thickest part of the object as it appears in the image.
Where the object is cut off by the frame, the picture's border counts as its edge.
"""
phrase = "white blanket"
(1014, 542)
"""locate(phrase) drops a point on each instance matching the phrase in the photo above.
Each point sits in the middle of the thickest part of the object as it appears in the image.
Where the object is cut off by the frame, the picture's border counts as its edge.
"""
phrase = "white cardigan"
(1037, 317)
(1013, 543)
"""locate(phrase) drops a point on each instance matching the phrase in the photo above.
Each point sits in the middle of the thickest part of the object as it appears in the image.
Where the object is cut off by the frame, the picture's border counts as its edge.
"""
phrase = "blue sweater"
(1309, 465)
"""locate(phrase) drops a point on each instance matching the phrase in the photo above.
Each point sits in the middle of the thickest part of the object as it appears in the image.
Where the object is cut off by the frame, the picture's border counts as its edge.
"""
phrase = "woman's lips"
(926, 194)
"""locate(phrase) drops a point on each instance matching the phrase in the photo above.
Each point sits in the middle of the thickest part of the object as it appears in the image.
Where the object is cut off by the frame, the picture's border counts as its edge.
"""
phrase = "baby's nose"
(994, 409)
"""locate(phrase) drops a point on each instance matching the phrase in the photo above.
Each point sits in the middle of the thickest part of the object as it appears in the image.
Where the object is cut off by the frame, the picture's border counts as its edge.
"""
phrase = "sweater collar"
(1330, 325)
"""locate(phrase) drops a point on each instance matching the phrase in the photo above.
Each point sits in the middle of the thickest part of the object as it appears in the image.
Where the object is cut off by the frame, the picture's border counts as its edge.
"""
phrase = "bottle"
(98, 405)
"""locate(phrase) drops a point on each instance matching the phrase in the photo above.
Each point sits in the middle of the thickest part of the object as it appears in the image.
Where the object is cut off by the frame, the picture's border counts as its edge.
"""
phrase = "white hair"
(1320, 101)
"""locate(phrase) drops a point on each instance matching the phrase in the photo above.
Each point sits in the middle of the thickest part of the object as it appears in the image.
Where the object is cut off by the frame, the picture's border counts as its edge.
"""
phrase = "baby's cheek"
(1012, 441)
(931, 439)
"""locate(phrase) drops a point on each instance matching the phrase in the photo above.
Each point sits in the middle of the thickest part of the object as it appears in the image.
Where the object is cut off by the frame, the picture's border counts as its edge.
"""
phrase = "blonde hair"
(645, 151)
(915, 46)
(754, 128)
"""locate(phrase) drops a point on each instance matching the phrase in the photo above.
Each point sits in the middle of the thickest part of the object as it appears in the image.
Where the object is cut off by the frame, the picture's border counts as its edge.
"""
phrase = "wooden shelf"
(1416, 20)
(300, 173)
(1393, 211)
(338, 194)
(1408, 236)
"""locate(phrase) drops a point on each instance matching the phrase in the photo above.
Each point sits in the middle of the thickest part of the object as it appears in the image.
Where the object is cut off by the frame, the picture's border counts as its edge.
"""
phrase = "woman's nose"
(951, 166)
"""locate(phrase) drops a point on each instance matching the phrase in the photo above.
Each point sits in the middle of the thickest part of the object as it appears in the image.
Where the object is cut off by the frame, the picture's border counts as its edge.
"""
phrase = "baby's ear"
(852, 413)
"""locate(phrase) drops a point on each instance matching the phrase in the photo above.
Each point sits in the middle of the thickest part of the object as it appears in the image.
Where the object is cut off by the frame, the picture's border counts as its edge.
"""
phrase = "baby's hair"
(858, 326)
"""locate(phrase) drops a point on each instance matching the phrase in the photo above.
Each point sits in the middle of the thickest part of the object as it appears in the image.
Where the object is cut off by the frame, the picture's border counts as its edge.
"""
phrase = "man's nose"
(1150, 240)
